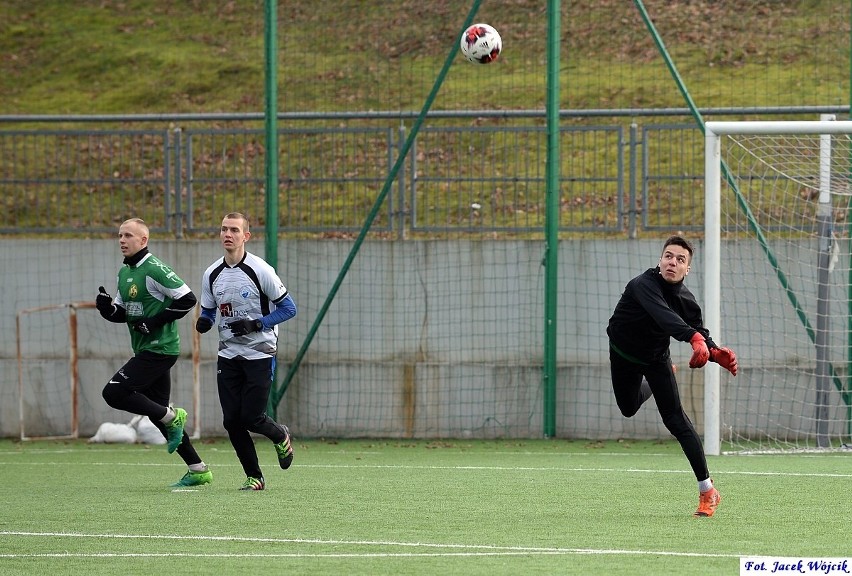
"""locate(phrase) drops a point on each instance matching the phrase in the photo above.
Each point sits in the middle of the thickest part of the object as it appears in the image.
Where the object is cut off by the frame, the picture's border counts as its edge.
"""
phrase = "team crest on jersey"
(134, 291)
(245, 292)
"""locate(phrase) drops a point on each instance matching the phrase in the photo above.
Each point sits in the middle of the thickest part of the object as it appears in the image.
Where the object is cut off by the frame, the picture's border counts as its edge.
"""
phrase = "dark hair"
(679, 241)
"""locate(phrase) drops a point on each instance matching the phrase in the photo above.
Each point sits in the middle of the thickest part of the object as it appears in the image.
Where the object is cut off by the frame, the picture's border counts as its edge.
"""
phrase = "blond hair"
(139, 222)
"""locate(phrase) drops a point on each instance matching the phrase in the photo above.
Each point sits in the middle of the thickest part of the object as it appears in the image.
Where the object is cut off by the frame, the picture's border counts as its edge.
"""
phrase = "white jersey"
(248, 290)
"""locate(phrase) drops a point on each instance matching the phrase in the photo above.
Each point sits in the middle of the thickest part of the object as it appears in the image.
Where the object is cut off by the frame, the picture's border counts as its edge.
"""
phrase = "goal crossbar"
(713, 129)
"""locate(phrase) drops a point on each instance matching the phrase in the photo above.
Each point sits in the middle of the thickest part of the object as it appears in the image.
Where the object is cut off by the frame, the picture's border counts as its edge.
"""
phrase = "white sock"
(705, 485)
(200, 467)
(170, 415)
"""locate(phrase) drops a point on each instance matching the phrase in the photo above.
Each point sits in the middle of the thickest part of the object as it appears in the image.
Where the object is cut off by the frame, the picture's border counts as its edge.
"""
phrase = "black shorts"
(148, 373)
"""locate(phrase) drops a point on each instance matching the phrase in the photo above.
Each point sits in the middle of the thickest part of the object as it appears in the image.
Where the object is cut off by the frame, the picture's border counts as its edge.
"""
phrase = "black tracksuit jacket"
(650, 312)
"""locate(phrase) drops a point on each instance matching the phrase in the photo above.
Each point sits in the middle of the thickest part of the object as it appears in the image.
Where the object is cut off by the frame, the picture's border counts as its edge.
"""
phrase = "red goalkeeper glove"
(725, 358)
(700, 353)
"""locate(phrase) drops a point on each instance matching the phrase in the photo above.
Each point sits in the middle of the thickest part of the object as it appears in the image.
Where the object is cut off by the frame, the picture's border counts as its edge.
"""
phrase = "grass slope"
(138, 56)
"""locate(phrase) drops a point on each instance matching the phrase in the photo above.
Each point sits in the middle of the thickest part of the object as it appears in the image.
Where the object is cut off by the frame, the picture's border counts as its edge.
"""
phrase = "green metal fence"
(615, 179)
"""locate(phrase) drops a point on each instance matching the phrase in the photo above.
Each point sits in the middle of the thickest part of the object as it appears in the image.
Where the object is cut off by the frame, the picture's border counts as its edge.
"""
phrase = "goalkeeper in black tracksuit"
(654, 308)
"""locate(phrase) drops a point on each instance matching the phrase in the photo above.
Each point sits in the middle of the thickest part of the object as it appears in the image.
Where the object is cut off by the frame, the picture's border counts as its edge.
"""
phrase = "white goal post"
(779, 194)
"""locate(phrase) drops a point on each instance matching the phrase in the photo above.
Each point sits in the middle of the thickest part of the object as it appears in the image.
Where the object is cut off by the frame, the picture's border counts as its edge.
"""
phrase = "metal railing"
(457, 178)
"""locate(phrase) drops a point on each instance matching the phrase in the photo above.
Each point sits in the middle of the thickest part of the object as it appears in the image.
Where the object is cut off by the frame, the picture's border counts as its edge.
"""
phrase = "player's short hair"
(679, 241)
(239, 216)
(140, 223)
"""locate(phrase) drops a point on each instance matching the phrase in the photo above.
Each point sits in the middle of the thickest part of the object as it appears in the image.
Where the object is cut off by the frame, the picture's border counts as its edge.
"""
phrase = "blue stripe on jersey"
(285, 309)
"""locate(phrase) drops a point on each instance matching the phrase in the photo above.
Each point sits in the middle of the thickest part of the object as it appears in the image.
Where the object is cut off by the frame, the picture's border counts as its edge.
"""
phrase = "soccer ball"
(481, 44)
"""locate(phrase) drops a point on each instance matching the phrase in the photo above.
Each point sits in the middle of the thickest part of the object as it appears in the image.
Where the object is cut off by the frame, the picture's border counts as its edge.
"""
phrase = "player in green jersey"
(150, 298)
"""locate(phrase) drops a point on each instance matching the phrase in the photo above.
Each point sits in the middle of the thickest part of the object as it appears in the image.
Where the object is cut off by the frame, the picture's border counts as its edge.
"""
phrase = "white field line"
(447, 549)
(226, 449)
(718, 471)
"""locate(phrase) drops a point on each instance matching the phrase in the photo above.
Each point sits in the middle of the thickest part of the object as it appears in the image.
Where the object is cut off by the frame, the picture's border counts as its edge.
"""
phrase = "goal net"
(65, 354)
(778, 284)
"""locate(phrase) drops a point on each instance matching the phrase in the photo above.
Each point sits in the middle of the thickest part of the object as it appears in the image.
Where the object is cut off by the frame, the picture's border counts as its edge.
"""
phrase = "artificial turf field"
(414, 507)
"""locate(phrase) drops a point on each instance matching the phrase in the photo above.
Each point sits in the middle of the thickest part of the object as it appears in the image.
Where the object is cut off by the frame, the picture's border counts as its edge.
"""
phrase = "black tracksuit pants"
(631, 392)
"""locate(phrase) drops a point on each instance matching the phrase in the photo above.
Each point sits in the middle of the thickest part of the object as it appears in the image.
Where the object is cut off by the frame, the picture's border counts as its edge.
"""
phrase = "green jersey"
(145, 290)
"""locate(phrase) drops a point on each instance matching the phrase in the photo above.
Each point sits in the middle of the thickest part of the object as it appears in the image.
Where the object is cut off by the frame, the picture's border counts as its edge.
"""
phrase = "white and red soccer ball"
(481, 44)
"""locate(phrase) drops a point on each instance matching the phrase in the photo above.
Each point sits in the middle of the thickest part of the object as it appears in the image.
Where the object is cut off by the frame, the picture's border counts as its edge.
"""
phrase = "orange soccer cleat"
(708, 502)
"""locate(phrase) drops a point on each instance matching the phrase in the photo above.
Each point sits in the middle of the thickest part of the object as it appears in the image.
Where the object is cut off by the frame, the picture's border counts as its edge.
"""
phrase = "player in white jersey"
(251, 301)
